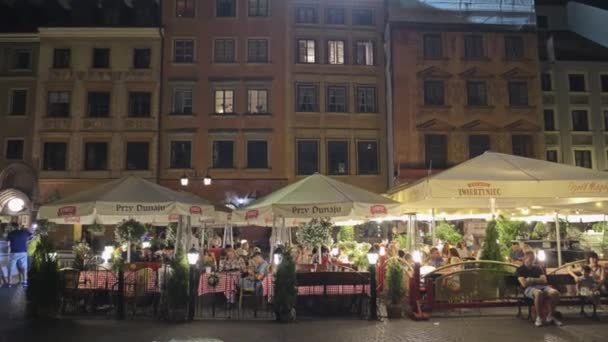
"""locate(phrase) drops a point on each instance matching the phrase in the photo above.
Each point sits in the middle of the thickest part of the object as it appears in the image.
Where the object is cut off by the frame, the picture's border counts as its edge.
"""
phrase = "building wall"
(500, 121)
(351, 126)
(79, 79)
(205, 75)
(17, 126)
(564, 139)
(557, 17)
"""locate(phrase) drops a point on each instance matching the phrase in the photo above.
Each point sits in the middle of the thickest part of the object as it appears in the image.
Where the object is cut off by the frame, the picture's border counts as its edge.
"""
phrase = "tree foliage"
(346, 233)
(508, 231)
(491, 247)
(447, 232)
(44, 288)
(285, 289)
(177, 284)
(315, 233)
(394, 280)
(128, 231)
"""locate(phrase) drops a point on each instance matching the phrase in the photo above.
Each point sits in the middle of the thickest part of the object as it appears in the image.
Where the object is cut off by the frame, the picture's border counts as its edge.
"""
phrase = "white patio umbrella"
(495, 180)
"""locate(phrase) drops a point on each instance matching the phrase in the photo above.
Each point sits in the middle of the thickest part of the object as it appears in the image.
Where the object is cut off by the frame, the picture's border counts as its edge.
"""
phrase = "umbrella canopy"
(317, 196)
(124, 198)
(510, 181)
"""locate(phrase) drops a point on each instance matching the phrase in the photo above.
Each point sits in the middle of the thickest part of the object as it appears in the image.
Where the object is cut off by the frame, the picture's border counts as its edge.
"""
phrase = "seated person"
(534, 281)
(252, 278)
(517, 254)
(435, 258)
(588, 286)
(231, 262)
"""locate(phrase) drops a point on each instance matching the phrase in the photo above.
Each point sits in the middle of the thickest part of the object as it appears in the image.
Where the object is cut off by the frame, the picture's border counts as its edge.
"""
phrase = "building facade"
(336, 91)
(460, 88)
(96, 114)
(223, 108)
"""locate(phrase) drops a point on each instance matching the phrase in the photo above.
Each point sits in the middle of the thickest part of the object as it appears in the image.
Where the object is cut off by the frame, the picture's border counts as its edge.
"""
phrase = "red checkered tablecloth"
(143, 280)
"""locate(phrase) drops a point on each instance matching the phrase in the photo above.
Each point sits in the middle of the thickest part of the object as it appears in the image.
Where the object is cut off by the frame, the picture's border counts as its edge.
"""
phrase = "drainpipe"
(160, 90)
(389, 101)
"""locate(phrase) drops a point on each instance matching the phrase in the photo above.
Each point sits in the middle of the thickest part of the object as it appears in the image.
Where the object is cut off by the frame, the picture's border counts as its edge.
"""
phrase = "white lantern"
(417, 257)
(16, 204)
(184, 181)
(372, 257)
(541, 256)
(193, 256)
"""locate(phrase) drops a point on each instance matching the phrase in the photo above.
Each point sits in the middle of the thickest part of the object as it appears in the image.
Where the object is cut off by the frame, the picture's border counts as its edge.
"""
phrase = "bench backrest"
(332, 278)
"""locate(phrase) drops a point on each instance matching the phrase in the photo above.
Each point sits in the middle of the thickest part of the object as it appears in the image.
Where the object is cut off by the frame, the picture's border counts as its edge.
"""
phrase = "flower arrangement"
(213, 280)
(82, 253)
(96, 229)
(128, 231)
(315, 233)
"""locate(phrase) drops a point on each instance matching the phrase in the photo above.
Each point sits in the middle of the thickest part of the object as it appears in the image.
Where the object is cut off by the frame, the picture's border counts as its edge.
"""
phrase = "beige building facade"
(96, 113)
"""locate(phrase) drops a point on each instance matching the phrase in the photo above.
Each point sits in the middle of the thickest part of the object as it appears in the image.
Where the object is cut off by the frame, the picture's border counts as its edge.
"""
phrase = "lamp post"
(193, 256)
(372, 257)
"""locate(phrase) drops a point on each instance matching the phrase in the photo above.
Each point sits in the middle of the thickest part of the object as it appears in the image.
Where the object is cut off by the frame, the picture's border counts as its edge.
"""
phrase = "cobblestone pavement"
(492, 326)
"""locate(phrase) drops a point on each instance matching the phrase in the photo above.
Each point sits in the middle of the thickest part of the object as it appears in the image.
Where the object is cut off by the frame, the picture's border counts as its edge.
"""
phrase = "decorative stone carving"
(97, 123)
(582, 139)
(61, 75)
(548, 99)
(552, 139)
(140, 123)
(579, 99)
(56, 124)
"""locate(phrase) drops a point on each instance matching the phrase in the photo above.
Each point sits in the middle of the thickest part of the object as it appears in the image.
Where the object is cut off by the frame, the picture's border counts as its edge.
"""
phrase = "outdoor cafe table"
(108, 280)
(309, 283)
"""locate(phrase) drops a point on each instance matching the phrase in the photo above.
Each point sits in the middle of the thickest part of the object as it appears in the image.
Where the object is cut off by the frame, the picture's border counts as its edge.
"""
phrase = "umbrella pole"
(493, 207)
(179, 233)
(559, 240)
(433, 225)
(129, 248)
(273, 236)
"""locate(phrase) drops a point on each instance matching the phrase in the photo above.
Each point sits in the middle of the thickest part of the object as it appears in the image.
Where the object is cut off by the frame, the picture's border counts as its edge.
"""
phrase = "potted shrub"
(176, 290)
(396, 289)
(285, 293)
(315, 234)
(44, 288)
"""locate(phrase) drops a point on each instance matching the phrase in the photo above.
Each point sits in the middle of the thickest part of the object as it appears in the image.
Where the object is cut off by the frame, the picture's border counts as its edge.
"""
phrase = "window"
(141, 58)
(580, 121)
(514, 47)
(18, 102)
(101, 58)
(522, 145)
(307, 157)
(606, 120)
(435, 151)
(223, 154)
(182, 101)
(99, 104)
(549, 118)
(432, 46)
(582, 158)
(184, 8)
(54, 156)
(551, 155)
(473, 46)
(183, 51)
(14, 149)
(61, 58)
(139, 104)
(478, 144)
(576, 82)
(96, 156)
(542, 21)
(306, 15)
(434, 93)
(604, 83)
(307, 98)
(337, 157)
(335, 52)
(22, 59)
(477, 93)
(306, 51)
(257, 101)
(364, 53)
(138, 156)
(226, 8)
(257, 50)
(258, 8)
(366, 100)
(257, 154)
(545, 82)
(363, 17)
(336, 16)
(367, 158)
(336, 99)
(224, 101)
(58, 104)
(180, 154)
(223, 51)
(518, 93)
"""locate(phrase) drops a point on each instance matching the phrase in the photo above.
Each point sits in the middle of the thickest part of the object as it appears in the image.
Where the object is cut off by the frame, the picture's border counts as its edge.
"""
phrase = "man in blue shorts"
(17, 240)
(534, 281)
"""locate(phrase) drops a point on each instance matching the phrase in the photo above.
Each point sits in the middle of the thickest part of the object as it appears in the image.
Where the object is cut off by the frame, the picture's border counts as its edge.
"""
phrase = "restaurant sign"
(378, 209)
(317, 210)
(138, 208)
(588, 187)
(66, 211)
(479, 189)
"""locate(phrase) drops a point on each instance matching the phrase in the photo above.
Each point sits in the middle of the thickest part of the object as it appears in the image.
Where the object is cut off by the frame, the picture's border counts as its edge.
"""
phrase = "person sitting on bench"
(588, 286)
(534, 281)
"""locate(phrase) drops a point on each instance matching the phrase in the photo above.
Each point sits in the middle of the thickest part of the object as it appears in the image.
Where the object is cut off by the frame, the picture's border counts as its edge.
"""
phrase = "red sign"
(173, 217)
(252, 214)
(478, 185)
(196, 210)
(66, 211)
(378, 209)
(71, 220)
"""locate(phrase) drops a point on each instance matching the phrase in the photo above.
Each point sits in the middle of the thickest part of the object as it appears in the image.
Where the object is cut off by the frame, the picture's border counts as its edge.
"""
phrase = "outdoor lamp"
(107, 253)
(16, 204)
(207, 180)
(53, 256)
(184, 181)
(335, 252)
(277, 256)
(541, 256)
(372, 256)
(146, 244)
(417, 256)
(382, 251)
(193, 256)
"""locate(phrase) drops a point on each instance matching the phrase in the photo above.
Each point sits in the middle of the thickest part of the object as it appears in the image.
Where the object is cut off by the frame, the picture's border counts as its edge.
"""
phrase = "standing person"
(463, 252)
(17, 241)
(534, 281)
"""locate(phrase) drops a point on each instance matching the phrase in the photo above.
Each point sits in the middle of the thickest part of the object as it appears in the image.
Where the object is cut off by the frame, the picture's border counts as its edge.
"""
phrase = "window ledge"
(364, 113)
(581, 132)
(226, 63)
(194, 63)
(223, 169)
(22, 116)
(519, 60)
(259, 63)
(20, 70)
(479, 107)
(267, 169)
(179, 169)
(579, 92)
(368, 174)
(520, 107)
(261, 115)
(230, 115)
(552, 132)
(443, 59)
(100, 69)
(181, 115)
(476, 59)
(315, 112)
(431, 106)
